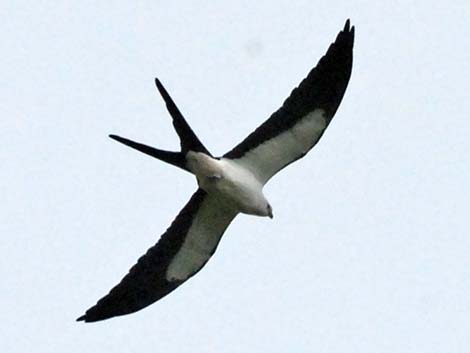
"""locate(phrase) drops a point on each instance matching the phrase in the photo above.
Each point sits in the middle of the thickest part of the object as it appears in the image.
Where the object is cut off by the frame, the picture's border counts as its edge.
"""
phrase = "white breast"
(243, 187)
(230, 180)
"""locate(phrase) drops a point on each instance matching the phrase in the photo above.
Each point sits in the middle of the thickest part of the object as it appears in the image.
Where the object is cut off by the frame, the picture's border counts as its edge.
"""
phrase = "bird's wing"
(297, 126)
(181, 252)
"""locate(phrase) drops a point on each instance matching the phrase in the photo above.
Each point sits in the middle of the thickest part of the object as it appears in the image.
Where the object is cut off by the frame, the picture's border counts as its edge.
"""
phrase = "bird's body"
(230, 184)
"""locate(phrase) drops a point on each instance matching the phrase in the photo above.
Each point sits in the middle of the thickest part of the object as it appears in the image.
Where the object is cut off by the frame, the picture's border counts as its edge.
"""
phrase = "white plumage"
(230, 184)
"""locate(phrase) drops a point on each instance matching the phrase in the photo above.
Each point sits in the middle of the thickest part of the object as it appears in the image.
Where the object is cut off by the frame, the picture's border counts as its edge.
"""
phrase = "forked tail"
(188, 139)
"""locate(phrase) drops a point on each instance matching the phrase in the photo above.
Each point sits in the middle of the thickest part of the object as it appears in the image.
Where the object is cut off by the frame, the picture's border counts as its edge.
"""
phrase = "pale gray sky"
(369, 250)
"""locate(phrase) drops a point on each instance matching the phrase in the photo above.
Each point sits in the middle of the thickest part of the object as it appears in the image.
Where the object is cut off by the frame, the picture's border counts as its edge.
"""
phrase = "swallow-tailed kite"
(230, 184)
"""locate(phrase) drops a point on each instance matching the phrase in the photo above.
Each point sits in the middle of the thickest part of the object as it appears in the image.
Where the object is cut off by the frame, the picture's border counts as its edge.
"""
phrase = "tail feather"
(189, 140)
(176, 158)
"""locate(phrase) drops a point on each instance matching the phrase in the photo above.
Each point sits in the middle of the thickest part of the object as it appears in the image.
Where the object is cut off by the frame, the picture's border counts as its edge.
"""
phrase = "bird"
(230, 184)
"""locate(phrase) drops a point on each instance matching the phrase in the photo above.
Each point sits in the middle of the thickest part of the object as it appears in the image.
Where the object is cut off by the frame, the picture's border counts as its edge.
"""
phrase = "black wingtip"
(346, 35)
(348, 28)
(90, 318)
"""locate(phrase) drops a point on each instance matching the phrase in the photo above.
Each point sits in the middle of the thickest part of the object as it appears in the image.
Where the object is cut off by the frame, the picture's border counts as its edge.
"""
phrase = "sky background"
(369, 249)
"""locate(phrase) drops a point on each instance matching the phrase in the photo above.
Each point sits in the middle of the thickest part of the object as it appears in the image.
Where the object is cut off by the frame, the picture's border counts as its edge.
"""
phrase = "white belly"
(231, 181)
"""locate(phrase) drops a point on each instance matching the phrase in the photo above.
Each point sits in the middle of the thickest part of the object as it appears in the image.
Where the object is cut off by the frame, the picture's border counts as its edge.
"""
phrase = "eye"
(269, 210)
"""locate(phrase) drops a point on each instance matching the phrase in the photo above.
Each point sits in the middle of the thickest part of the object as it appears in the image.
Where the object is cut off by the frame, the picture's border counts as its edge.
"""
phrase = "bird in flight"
(230, 184)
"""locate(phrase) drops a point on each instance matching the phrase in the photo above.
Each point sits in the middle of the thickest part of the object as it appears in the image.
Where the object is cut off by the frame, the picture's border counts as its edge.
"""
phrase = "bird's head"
(269, 211)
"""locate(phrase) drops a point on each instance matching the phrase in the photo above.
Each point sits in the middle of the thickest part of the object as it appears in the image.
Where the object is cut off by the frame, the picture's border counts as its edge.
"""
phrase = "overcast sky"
(369, 249)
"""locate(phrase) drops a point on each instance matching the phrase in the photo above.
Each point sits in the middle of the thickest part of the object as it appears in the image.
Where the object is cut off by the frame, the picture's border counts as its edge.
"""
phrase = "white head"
(261, 208)
(269, 211)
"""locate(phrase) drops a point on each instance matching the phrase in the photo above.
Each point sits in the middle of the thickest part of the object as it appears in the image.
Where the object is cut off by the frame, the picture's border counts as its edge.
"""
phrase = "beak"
(270, 215)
